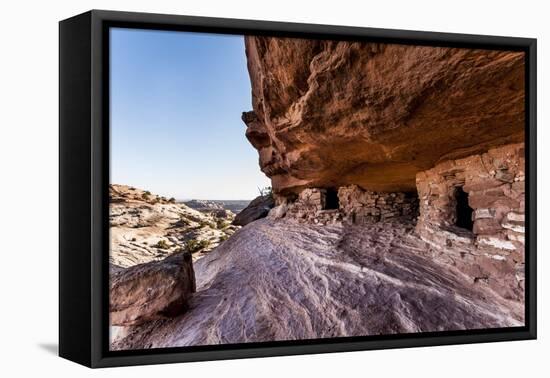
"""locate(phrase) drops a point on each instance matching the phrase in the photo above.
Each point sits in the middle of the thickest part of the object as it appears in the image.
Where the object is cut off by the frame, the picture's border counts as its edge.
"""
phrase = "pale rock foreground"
(280, 280)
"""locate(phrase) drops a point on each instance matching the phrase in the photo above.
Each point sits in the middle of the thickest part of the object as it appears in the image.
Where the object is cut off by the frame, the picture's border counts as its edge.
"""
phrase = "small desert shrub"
(204, 223)
(224, 237)
(267, 191)
(221, 223)
(195, 245)
(134, 239)
(162, 244)
(172, 200)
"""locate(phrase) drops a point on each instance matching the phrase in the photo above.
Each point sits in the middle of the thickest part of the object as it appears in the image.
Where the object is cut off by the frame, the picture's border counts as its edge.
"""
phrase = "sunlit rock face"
(331, 114)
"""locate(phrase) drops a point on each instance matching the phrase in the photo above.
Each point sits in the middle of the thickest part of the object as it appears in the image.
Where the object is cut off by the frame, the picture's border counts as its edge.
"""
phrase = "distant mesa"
(235, 206)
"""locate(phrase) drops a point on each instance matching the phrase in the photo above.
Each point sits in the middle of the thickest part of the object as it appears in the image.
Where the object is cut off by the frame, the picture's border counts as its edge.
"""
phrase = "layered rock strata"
(144, 227)
(331, 114)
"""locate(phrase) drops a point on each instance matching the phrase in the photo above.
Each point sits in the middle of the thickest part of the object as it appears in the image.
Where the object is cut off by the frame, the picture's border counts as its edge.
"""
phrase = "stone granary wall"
(494, 183)
(487, 244)
(350, 204)
(362, 207)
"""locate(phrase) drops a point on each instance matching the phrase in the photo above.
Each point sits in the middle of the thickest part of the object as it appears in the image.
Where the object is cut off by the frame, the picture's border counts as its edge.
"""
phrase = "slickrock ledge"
(332, 114)
(280, 280)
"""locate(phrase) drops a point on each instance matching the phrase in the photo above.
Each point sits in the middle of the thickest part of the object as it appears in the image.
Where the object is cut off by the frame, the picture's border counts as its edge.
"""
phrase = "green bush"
(204, 223)
(221, 223)
(195, 245)
(162, 244)
(267, 191)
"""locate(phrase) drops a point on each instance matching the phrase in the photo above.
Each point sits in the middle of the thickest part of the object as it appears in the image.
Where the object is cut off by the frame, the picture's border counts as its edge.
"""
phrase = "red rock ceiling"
(339, 113)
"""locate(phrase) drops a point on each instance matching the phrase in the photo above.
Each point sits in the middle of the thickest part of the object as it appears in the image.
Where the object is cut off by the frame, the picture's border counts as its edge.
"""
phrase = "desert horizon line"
(184, 198)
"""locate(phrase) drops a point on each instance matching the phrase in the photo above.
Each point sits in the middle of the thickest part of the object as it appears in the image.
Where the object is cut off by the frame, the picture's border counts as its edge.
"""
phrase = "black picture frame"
(84, 180)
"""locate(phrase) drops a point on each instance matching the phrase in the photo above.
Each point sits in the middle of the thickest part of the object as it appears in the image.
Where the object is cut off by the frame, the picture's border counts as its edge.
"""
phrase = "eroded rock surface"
(150, 291)
(280, 280)
(332, 114)
(144, 227)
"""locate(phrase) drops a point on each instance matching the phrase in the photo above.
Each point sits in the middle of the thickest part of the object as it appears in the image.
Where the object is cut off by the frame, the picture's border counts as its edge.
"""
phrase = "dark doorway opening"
(463, 210)
(331, 199)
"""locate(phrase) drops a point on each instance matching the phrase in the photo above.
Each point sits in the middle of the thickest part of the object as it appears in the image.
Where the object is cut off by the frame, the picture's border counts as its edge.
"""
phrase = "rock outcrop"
(151, 291)
(144, 227)
(281, 280)
(258, 208)
(331, 114)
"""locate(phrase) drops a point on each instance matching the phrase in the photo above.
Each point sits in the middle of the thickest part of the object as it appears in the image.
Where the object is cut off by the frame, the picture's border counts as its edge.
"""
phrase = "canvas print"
(271, 189)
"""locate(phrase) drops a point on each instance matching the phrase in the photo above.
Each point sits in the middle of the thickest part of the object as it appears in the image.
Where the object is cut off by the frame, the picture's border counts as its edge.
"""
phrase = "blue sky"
(176, 104)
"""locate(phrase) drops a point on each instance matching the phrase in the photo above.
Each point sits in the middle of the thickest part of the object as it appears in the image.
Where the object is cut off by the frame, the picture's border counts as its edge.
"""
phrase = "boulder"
(150, 291)
(258, 208)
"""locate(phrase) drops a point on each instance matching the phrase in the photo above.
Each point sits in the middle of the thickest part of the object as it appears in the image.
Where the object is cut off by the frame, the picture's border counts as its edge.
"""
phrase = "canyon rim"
(397, 205)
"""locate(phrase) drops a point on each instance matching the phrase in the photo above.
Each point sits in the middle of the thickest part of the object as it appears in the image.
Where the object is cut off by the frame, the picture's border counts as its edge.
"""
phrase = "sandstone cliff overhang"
(331, 114)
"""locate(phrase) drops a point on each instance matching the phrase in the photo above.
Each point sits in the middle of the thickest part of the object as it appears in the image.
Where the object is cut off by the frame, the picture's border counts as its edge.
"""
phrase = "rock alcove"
(403, 133)
(398, 177)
